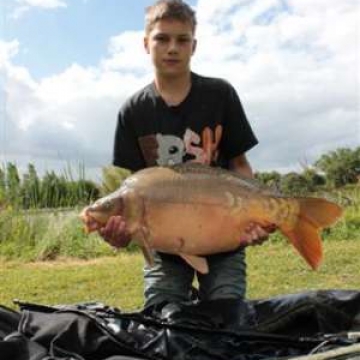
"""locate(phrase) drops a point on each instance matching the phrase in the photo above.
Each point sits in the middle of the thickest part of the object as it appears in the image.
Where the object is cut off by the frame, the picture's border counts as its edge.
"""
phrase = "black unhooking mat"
(275, 328)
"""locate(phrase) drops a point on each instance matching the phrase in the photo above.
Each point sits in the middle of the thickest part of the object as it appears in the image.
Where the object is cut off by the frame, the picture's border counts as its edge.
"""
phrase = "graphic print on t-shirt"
(161, 149)
(170, 150)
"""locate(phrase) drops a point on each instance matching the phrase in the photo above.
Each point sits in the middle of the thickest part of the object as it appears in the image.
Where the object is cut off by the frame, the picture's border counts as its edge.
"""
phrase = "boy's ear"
(146, 44)
(194, 46)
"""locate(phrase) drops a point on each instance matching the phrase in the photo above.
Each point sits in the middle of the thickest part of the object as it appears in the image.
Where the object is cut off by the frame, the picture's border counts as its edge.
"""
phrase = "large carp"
(194, 210)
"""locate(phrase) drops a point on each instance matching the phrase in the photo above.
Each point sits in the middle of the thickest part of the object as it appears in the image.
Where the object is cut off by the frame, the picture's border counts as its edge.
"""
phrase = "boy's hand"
(256, 234)
(115, 232)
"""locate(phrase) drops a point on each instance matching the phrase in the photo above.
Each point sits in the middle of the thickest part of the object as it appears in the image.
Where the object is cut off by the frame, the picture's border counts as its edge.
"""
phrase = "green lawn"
(273, 269)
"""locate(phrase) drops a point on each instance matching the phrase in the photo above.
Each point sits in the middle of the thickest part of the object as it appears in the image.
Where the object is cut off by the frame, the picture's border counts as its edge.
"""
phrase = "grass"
(276, 269)
(46, 235)
(115, 281)
(273, 269)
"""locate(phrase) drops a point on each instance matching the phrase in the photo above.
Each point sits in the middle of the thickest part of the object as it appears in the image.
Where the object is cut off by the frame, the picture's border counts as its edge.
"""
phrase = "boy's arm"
(241, 165)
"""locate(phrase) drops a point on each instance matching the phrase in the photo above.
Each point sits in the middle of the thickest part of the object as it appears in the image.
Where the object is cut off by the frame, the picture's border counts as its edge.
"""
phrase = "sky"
(66, 66)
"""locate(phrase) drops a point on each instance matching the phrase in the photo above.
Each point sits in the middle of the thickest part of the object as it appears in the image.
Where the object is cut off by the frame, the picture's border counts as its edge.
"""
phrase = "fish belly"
(198, 229)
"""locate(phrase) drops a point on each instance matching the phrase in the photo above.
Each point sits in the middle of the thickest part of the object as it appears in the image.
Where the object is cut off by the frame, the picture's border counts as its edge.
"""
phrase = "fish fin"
(141, 239)
(198, 263)
(306, 240)
(149, 258)
(315, 214)
(322, 213)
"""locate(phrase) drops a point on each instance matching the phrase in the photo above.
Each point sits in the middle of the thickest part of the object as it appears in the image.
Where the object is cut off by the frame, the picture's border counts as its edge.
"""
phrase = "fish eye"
(107, 205)
(93, 206)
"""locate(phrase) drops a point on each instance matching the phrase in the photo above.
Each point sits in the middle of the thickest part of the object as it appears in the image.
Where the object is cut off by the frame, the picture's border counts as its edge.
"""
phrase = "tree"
(12, 181)
(53, 189)
(80, 192)
(295, 184)
(30, 190)
(314, 178)
(87, 191)
(341, 166)
(50, 191)
(271, 179)
(2, 186)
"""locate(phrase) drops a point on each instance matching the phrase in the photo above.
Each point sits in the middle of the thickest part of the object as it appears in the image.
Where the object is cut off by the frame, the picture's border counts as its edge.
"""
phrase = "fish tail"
(314, 215)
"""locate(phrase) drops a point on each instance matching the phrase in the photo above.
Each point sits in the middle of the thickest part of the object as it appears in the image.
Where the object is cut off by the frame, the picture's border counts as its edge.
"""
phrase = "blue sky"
(79, 32)
(66, 66)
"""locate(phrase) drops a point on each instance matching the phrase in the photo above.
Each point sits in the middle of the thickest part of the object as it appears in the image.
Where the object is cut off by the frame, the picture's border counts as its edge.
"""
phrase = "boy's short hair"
(169, 9)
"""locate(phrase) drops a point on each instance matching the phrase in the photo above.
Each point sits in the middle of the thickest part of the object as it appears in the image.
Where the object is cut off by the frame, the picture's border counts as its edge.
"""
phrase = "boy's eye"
(183, 40)
(164, 39)
(161, 38)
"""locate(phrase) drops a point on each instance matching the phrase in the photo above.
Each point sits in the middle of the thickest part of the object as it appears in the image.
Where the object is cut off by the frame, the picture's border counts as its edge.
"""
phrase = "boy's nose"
(173, 46)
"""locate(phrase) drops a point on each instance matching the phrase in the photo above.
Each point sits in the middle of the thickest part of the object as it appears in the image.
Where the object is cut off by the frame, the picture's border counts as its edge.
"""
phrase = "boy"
(180, 117)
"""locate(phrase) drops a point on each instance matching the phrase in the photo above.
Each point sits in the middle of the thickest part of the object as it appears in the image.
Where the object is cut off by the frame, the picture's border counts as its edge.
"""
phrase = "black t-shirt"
(209, 126)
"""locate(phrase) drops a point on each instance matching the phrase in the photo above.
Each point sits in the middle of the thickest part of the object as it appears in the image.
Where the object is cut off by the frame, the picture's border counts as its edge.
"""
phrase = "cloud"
(294, 67)
(8, 49)
(23, 6)
(66, 118)
(46, 4)
(126, 54)
(293, 63)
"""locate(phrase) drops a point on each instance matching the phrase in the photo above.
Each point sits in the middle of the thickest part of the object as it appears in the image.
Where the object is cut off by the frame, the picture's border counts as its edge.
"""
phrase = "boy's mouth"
(171, 61)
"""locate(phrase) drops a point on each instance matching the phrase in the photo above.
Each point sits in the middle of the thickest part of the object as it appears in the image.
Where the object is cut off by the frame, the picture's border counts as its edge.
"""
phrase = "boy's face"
(170, 44)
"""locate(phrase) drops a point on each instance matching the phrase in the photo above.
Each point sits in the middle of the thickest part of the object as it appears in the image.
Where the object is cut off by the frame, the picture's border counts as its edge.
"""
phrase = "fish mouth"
(90, 223)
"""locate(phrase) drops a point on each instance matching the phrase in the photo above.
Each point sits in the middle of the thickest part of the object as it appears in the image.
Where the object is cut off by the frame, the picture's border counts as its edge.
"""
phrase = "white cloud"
(321, 7)
(295, 69)
(23, 6)
(8, 49)
(294, 64)
(47, 4)
(66, 117)
(126, 54)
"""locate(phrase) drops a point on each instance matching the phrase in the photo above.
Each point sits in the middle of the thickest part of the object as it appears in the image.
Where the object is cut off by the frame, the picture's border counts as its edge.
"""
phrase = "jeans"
(171, 278)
